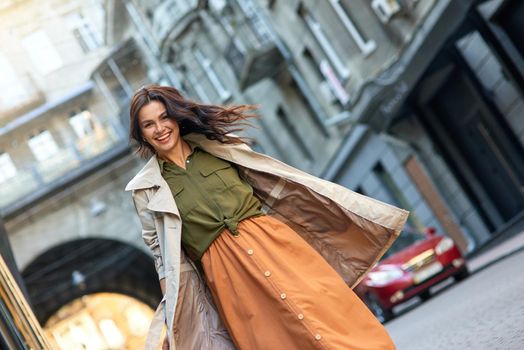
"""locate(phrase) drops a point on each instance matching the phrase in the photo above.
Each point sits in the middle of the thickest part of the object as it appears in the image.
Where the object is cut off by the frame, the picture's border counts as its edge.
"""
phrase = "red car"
(413, 264)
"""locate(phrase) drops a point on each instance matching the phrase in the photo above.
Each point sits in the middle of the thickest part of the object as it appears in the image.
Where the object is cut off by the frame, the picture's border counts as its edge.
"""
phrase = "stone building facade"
(447, 115)
(465, 118)
(64, 160)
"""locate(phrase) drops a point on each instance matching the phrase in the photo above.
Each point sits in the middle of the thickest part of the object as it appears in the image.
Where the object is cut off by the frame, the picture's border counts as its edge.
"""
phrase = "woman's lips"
(163, 138)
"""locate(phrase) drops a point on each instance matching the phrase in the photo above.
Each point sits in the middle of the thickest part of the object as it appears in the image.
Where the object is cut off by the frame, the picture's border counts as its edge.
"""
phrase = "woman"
(262, 234)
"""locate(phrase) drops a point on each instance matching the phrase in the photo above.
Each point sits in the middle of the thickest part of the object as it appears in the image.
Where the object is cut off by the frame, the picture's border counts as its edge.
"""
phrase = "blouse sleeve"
(149, 233)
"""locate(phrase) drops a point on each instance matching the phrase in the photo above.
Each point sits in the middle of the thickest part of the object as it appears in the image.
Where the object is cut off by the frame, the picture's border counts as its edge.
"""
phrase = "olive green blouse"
(210, 196)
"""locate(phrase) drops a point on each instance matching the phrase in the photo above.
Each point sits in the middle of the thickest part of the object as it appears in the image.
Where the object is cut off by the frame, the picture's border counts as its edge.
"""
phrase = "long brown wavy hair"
(214, 121)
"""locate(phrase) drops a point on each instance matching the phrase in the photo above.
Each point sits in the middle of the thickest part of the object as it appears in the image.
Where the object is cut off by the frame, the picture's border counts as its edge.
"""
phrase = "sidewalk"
(493, 254)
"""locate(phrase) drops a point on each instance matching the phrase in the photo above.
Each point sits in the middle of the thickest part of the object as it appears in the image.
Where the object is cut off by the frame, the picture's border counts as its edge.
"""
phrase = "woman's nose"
(158, 127)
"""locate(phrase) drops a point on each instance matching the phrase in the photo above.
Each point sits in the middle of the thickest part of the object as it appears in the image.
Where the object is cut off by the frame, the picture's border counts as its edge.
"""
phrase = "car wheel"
(461, 275)
(380, 312)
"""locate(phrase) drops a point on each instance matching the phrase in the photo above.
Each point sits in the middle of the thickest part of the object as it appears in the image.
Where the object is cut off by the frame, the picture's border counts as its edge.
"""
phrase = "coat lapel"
(163, 201)
(150, 178)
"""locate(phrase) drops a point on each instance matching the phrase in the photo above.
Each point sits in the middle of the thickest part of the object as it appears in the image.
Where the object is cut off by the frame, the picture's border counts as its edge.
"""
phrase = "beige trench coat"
(349, 230)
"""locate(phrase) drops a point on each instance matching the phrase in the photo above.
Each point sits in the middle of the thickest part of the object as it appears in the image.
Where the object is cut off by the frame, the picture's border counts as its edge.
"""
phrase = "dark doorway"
(483, 151)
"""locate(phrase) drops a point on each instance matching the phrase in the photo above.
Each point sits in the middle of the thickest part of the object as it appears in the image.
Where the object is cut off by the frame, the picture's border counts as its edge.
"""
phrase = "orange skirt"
(274, 291)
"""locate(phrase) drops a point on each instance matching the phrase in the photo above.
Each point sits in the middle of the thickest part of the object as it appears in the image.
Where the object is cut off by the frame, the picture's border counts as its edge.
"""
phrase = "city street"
(484, 312)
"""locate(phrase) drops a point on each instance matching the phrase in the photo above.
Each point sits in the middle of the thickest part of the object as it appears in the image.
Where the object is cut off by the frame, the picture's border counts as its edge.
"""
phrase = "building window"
(293, 132)
(43, 146)
(86, 35)
(330, 86)
(82, 123)
(42, 52)
(13, 91)
(365, 46)
(7, 167)
(211, 74)
(324, 42)
(313, 63)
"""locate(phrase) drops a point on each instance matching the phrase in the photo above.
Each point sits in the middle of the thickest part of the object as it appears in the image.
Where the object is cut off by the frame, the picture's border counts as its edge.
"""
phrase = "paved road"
(484, 312)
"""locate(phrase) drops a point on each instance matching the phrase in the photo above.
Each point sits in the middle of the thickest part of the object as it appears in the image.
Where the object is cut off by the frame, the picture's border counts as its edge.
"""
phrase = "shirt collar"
(161, 163)
(193, 145)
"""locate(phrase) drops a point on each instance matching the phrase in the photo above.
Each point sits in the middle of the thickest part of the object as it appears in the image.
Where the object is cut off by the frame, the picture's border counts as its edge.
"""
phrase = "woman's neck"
(178, 154)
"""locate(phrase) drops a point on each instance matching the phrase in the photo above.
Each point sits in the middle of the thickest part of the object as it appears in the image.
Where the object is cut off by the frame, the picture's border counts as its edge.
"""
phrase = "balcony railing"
(36, 176)
(252, 51)
(22, 184)
(167, 14)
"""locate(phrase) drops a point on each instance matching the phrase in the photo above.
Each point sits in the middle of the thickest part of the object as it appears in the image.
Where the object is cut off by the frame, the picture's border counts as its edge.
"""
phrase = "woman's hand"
(165, 344)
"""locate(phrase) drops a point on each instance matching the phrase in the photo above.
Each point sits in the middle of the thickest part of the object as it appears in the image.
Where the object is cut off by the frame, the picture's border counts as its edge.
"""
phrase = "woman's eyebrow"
(150, 120)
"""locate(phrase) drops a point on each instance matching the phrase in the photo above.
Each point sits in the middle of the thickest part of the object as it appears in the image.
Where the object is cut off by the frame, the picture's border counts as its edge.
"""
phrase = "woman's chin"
(163, 148)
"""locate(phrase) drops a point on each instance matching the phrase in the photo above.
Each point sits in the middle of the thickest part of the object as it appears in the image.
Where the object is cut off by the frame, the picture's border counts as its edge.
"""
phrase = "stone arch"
(80, 267)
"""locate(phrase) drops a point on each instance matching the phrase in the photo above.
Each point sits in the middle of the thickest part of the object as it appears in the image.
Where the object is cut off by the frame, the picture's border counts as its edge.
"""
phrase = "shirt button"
(250, 252)
(267, 273)
(300, 316)
(318, 337)
(283, 296)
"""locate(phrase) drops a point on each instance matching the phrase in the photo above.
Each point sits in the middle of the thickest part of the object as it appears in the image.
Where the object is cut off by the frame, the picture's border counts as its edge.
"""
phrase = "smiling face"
(161, 132)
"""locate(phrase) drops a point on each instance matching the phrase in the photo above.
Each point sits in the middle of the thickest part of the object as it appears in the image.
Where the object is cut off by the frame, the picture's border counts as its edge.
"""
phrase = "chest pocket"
(177, 190)
(219, 174)
(183, 201)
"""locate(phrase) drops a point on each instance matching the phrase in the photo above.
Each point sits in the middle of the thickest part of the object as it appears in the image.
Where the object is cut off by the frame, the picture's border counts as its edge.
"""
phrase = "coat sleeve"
(149, 232)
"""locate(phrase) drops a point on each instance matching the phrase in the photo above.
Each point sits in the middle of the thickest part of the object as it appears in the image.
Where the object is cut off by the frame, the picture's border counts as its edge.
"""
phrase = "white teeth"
(163, 138)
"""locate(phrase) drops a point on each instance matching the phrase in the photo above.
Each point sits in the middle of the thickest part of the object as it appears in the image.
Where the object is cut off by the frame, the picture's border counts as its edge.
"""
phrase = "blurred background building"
(418, 103)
